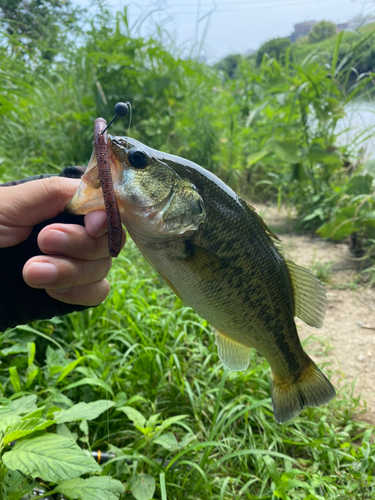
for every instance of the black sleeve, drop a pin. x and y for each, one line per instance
(19, 303)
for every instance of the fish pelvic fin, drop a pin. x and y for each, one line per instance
(233, 355)
(312, 389)
(310, 299)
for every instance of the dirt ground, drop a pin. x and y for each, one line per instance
(347, 340)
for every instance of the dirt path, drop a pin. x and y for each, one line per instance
(347, 339)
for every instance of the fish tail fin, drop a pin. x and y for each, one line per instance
(311, 389)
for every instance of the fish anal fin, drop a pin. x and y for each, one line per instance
(311, 389)
(310, 299)
(233, 355)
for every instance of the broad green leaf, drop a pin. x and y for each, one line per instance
(170, 421)
(5, 422)
(84, 427)
(152, 421)
(55, 357)
(63, 430)
(50, 457)
(317, 153)
(168, 441)
(255, 157)
(360, 184)
(19, 406)
(287, 151)
(316, 213)
(70, 367)
(341, 225)
(143, 487)
(90, 381)
(134, 415)
(25, 427)
(15, 485)
(83, 411)
(94, 488)
(136, 399)
(15, 349)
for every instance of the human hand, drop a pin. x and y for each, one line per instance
(76, 259)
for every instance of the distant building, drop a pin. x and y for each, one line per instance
(342, 26)
(359, 21)
(301, 29)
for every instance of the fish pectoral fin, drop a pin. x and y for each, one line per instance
(233, 355)
(312, 389)
(310, 299)
(200, 261)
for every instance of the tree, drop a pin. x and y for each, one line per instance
(321, 31)
(229, 65)
(39, 24)
(276, 48)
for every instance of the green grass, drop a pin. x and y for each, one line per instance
(144, 350)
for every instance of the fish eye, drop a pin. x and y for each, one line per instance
(137, 158)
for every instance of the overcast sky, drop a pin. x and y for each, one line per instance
(235, 26)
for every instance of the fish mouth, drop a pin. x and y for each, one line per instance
(89, 195)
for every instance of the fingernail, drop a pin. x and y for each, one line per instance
(41, 273)
(96, 223)
(60, 290)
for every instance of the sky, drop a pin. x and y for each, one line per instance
(216, 28)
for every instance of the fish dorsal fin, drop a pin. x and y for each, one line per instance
(233, 355)
(310, 299)
(270, 233)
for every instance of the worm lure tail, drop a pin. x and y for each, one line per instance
(110, 202)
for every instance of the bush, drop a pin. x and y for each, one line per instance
(275, 48)
(321, 31)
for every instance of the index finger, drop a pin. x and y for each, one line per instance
(72, 240)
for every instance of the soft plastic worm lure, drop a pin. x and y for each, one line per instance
(105, 176)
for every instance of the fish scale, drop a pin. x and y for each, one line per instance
(220, 258)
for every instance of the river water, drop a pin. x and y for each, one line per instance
(359, 126)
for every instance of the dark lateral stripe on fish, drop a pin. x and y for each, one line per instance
(286, 350)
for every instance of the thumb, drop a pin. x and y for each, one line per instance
(27, 204)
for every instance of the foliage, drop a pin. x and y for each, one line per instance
(276, 48)
(321, 31)
(360, 61)
(39, 25)
(228, 65)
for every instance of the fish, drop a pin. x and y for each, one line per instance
(220, 258)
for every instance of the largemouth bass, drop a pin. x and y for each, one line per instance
(220, 258)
